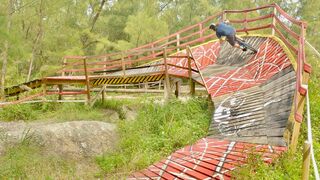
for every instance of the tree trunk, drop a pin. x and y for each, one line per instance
(36, 42)
(6, 51)
(97, 15)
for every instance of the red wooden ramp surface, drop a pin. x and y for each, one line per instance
(207, 159)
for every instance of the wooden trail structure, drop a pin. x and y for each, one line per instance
(259, 98)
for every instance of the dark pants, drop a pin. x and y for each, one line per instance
(231, 39)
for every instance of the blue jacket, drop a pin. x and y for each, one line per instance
(224, 29)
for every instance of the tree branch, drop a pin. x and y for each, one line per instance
(97, 15)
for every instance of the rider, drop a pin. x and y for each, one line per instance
(225, 29)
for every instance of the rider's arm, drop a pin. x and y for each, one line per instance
(220, 38)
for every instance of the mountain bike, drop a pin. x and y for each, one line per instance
(245, 44)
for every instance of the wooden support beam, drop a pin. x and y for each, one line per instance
(123, 65)
(274, 21)
(210, 103)
(178, 42)
(60, 87)
(64, 67)
(178, 89)
(167, 77)
(191, 82)
(200, 30)
(103, 94)
(306, 161)
(87, 80)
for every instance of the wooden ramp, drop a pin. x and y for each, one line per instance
(253, 98)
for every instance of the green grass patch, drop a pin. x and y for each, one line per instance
(51, 111)
(158, 131)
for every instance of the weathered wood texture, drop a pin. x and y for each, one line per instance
(256, 115)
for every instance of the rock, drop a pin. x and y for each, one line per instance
(129, 113)
(73, 139)
(112, 115)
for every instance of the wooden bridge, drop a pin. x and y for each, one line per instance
(259, 98)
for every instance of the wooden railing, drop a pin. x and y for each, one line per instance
(271, 17)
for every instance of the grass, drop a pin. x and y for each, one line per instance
(51, 111)
(158, 131)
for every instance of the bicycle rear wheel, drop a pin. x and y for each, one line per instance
(247, 45)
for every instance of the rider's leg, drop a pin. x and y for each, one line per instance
(232, 40)
(239, 37)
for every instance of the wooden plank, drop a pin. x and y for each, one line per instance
(306, 160)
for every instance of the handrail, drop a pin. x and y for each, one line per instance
(288, 17)
(250, 10)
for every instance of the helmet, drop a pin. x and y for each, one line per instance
(212, 26)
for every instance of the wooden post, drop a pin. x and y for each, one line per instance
(64, 67)
(44, 89)
(200, 30)
(153, 52)
(246, 22)
(167, 88)
(301, 99)
(210, 103)
(123, 65)
(295, 136)
(178, 87)
(178, 42)
(103, 95)
(274, 20)
(191, 83)
(87, 80)
(223, 16)
(60, 87)
(104, 86)
(306, 161)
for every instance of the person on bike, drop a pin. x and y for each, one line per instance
(224, 29)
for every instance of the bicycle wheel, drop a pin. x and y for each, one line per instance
(247, 45)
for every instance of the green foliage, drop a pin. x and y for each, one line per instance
(141, 28)
(17, 112)
(157, 132)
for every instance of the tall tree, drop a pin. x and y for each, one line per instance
(38, 38)
(6, 49)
